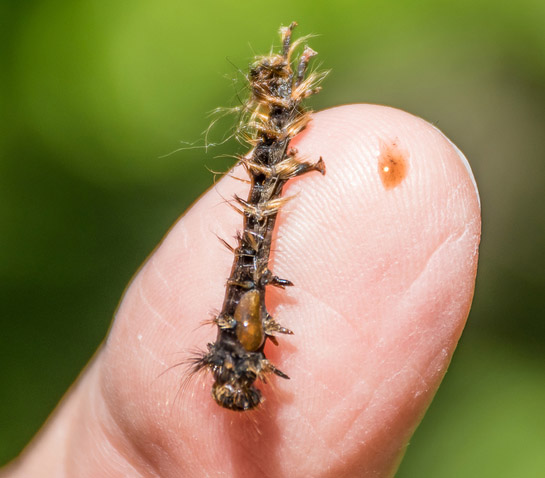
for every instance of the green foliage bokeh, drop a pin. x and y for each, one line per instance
(96, 97)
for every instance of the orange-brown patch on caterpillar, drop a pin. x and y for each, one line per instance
(248, 318)
(392, 164)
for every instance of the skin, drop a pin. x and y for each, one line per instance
(383, 277)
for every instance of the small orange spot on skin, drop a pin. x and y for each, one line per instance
(392, 164)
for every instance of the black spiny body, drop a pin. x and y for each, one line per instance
(274, 116)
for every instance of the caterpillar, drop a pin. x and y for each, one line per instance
(274, 114)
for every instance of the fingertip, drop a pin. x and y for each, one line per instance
(395, 188)
(384, 264)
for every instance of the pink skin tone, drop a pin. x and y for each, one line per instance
(383, 278)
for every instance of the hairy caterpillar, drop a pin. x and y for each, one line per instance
(274, 114)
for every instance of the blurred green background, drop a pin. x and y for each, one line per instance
(94, 93)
